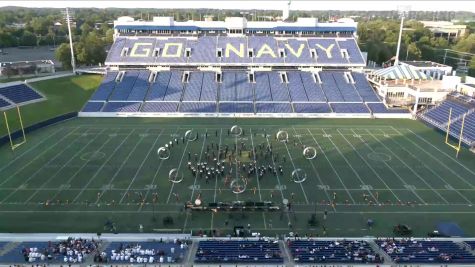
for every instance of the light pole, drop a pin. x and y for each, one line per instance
(403, 11)
(68, 20)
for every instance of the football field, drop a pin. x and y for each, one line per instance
(77, 175)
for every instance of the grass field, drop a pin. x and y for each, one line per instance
(63, 95)
(94, 170)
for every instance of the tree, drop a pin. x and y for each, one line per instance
(28, 39)
(63, 55)
(466, 45)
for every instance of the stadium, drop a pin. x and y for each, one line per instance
(239, 143)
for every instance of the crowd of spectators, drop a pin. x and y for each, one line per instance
(411, 250)
(72, 250)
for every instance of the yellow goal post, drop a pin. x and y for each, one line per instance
(7, 125)
(459, 145)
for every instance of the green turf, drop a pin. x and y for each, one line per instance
(100, 167)
(63, 95)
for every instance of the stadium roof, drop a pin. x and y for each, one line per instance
(401, 72)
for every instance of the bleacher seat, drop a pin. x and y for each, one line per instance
(19, 93)
(349, 108)
(146, 252)
(105, 89)
(333, 251)
(4, 103)
(93, 106)
(234, 251)
(160, 106)
(121, 107)
(425, 252)
(381, 108)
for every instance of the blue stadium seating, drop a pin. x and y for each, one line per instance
(175, 87)
(244, 89)
(425, 252)
(4, 103)
(209, 89)
(199, 107)
(236, 107)
(227, 90)
(347, 90)
(93, 106)
(354, 54)
(140, 88)
(312, 88)
(471, 244)
(364, 88)
(262, 87)
(19, 93)
(233, 251)
(330, 87)
(440, 114)
(105, 89)
(271, 107)
(121, 107)
(468, 128)
(122, 89)
(312, 108)
(159, 87)
(146, 252)
(381, 108)
(193, 87)
(296, 88)
(204, 50)
(278, 88)
(331, 251)
(160, 107)
(349, 108)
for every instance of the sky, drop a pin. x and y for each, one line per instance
(263, 5)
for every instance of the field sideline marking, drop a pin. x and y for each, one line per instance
(124, 161)
(429, 169)
(409, 167)
(298, 212)
(65, 164)
(156, 173)
(140, 167)
(37, 156)
(331, 165)
(293, 165)
(367, 164)
(315, 171)
(102, 166)
(205, 139)
(351, 167)
(38, 170)
(463, 166)
(398, 176)
(438, 160)
(216, 180)
(31, 148)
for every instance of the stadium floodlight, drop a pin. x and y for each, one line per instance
(403, 12)
(69, 17)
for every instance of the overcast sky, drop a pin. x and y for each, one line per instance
(223, 4)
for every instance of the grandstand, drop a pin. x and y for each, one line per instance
(17, 94)
(163, 68)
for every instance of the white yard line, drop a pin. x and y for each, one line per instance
(140, 167)
(412, 170)
(216, 180)
(429, 169)
(397, 174)
(367, 164)
(448, 156)
(156, 172)
(254, 156)
(100, 168)
(438, 160)
(333, 168)
(124, 161)
(38, 156)
(31, 148)
(65, 165)
(315, 170)
(351, 167)
(295, 168)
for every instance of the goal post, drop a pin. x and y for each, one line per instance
(459, 145)
(13, 146)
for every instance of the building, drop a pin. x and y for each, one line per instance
(446, 29)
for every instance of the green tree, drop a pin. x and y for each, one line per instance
(466, 44)
(28, 39)
(63, 55)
